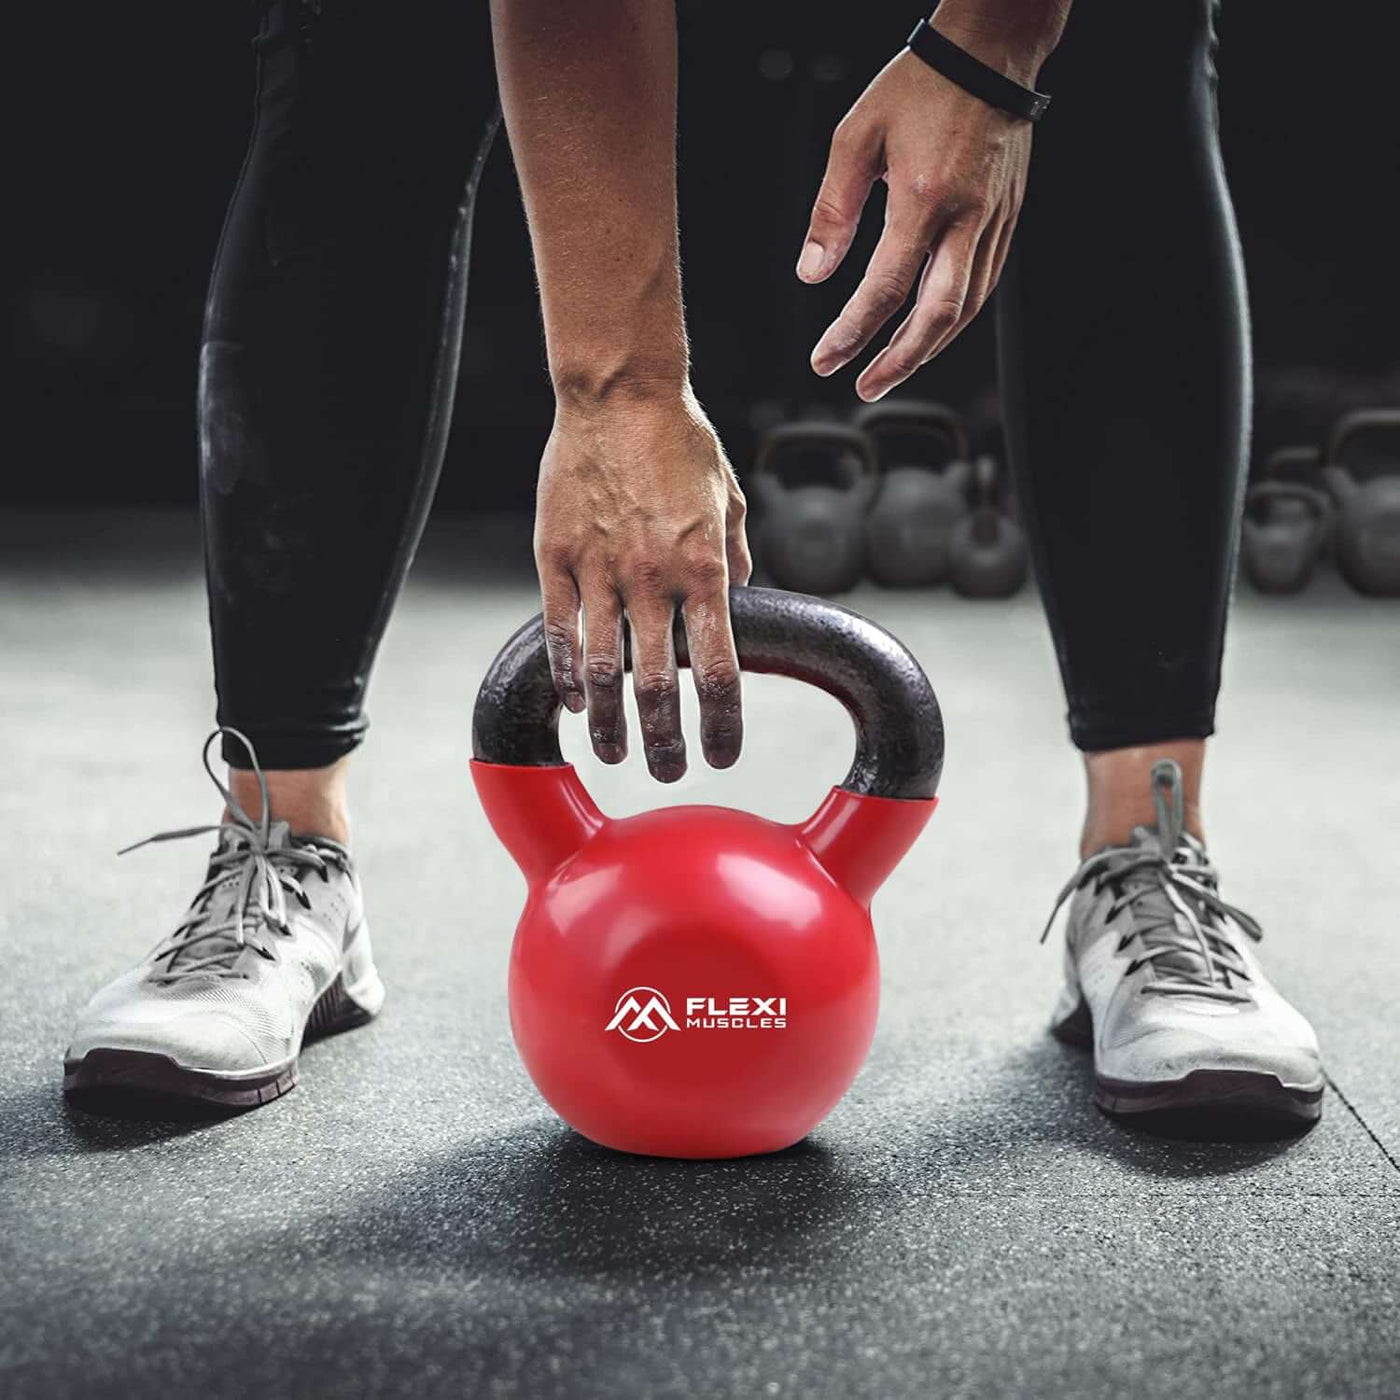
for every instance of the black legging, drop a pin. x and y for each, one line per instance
(1123, 341)
(335, 314)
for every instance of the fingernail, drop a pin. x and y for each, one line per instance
(574, 702)
(832, 351)
(810, 263)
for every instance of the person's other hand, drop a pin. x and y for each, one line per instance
(639, 513)
(956, 172)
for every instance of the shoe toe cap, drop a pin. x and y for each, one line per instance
(202, 1040)
(1163, 1053)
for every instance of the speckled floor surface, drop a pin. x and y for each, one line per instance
(412, 1220)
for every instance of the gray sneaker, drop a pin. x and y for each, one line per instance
(273, 948)
(1162, 983)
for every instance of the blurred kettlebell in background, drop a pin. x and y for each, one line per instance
(988, 555)
(1285, 524)
(909, 528)
(812, 539)
(1368, 513)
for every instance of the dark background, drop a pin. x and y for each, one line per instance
(130, 125)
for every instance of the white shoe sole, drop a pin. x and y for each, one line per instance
(1241, 1095)
(353, 998)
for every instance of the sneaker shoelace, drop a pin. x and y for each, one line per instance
(1171, 890)
(245, 891)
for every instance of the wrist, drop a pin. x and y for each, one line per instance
(1015, 37)
(601, 383)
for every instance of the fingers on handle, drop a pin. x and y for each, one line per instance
(657, 688)
(602, 673)
(714, 666)
(560, 598)
(850, 172)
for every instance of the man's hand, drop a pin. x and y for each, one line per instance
(639, 511)
(956, 172)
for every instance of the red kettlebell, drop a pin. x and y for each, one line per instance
(698, 981)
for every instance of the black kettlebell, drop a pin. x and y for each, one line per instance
(910, 526)
(988, 556)
(813, 535)
(1285, 525)
(1368, 513)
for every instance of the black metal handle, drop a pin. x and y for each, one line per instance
(1350, 425)
(1282, 459)
(899, 727)
(834, 438)
(915, 416)
(1318, 502)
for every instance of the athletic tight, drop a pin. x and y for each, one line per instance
(334, 322)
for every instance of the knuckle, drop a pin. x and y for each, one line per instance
(900, 364)
(826, 210)
(706, 572)
(648, 574)
(973, 207)
(925, 188)
(886, 293)
(945, 312)
(559, 638)
(717, 680)
(657, 690)
(603, 673)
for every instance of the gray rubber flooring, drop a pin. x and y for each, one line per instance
(412, 1220)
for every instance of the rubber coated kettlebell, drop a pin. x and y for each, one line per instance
(1285, 525)
(909, 528)
(1368, 513)
(697, 981)
(813, 535)
(988, 557)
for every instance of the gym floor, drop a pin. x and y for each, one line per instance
(413, 1220)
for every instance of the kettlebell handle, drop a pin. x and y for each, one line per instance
(914, 416)
(899, 727)
(834, 438)
(1351, 425)
(1317, 501)
(1283, 459)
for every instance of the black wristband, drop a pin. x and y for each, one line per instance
(958, 66)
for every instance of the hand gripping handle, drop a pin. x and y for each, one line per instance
(899, 728)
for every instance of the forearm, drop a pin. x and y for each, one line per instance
(588, 89)
(1013, 36)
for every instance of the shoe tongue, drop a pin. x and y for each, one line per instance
(1158, 920)
(219, 903)
(279, 836)
(1146, 838)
